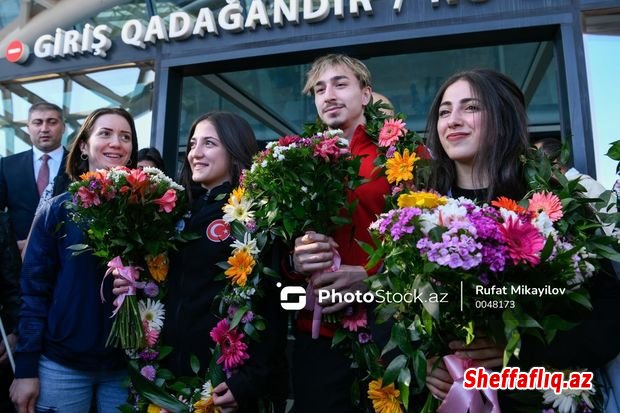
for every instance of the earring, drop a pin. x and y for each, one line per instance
(83, 156)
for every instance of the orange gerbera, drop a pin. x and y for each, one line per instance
(158, 266)
(548, 203)
(384, 399)
(400, 167)
(241, 264)
(509, 204)
(98, 175)
(204, 406)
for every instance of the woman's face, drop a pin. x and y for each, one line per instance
(460, 121)
(109, 143)
(207, 157)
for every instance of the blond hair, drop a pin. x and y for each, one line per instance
(324, 62)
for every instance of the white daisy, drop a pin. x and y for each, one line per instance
(568, 400)
(238, 210)
(248, 245)
(207, 390)
(153, 312)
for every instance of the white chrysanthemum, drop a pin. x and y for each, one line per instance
(334, 132)
(544, 225)
(568, 400)
(508, 215)
(263, 164)
(114, 174)
(238, 210)
(207, 390)
(153, 312)
(248, 245)
(247, 293)
(271, 144)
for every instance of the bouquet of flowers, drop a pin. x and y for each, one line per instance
(456, 269)
(301, 184)
(294, 185)
(130, 217)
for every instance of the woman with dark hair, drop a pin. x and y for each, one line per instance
(477, 132)
(219, 146)
(150, 157)
(61, 359)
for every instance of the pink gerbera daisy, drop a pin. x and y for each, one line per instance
(523, 241)
(548, 203)
(234, 350)
(356, 320)
(390, 132)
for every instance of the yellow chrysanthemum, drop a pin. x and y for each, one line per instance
(400, 167)
(153, 409)
(237, 194)
(420, 200)
(241, 264)
(384, 399)
(158, 266)
(204, 406)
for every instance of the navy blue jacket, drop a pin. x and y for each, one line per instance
(61, 315)
(18, 189)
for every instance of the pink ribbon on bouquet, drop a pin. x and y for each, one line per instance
(311, 301)
(460, 400)
(129, 273)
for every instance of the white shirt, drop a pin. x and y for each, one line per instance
(53, 162)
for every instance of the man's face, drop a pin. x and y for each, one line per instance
(339, 99)
(45, 128)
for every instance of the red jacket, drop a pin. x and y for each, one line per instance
(371, 202)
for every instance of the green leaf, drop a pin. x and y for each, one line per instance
(614, 151)
(194, 363)
(404, 382)
(78, 247)
(393, 370)
(155, 394)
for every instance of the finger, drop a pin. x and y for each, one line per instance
(312, 267)
(334, 308)
(220, 388)
(481, 354)
(489, 363)
(436, 392)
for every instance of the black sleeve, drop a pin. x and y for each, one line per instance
(592, 343)
(10, 264)
(265, 376)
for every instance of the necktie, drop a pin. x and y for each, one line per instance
(44, 174)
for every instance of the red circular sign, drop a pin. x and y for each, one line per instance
(17, 52)
(218, 231)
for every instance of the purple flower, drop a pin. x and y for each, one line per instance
(363, 337)
(390, 151)
(247, 317)
(151, 289)
(148, 372)
(148, 355)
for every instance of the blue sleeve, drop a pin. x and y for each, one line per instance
(3, 189)
(37, 282)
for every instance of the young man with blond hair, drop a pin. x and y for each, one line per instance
(322, 375)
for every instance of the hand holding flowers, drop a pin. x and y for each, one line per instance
(129, 219)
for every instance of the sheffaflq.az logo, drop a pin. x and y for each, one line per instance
(292, 297)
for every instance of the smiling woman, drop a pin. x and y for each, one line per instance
(63, 323)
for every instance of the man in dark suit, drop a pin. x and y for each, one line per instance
(25, 176)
